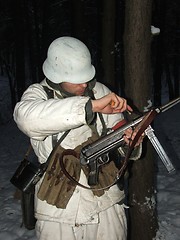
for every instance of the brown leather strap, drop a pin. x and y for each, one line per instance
(149, 117)
(61, 162)
(141, 128)
(28, 151)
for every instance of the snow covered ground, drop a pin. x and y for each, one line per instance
(13, 147)
(167, 128)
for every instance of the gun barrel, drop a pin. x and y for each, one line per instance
(168, 105)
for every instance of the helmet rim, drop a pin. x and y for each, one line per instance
(53, 76)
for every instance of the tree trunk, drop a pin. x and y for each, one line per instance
(78, 23)
(19, 47)
(137, 45)
(161, 53)
(46, 32)
(33, 42)
(108, 42)
(176, 63)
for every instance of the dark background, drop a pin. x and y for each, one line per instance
(28, 27)
(128, 59)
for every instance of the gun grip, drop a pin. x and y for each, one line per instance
(93, 173)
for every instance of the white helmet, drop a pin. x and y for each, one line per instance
(68, 60)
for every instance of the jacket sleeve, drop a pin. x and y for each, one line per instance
(111, 120)
(39, 117)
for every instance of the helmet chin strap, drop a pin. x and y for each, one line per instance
(57, 86)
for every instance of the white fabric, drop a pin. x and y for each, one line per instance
(111, 226)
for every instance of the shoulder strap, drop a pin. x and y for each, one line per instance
(104, 129)
(45, 165)
(49, 92)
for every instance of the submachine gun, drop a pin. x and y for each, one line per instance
(97, 153)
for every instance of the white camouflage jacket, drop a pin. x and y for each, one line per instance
(40, 118)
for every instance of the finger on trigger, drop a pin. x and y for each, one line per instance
(129, 109)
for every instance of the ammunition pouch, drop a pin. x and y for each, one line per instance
(57, 189)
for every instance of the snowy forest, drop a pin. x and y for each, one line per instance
(135, 50)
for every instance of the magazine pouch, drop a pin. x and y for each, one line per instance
(56, 189)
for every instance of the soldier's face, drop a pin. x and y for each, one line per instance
(75, 89)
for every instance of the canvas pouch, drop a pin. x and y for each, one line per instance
(57, 188)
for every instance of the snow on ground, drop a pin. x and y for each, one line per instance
(13, 147)
(167, 128)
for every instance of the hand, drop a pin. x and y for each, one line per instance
(109, 104)
(130, 134)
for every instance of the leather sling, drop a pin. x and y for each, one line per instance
(149, 117)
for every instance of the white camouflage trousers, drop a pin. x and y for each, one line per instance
(112, 226)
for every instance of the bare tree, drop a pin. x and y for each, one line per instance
(33, 39)
(19, 47)
(138, 78)
(108, 42)
(78, 20)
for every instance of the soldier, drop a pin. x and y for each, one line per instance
(82, 106)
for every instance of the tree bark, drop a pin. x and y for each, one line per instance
(78, 21)
(19, 46)
(138, 78)
(33, 41)
(161, 53)
(108, 42)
